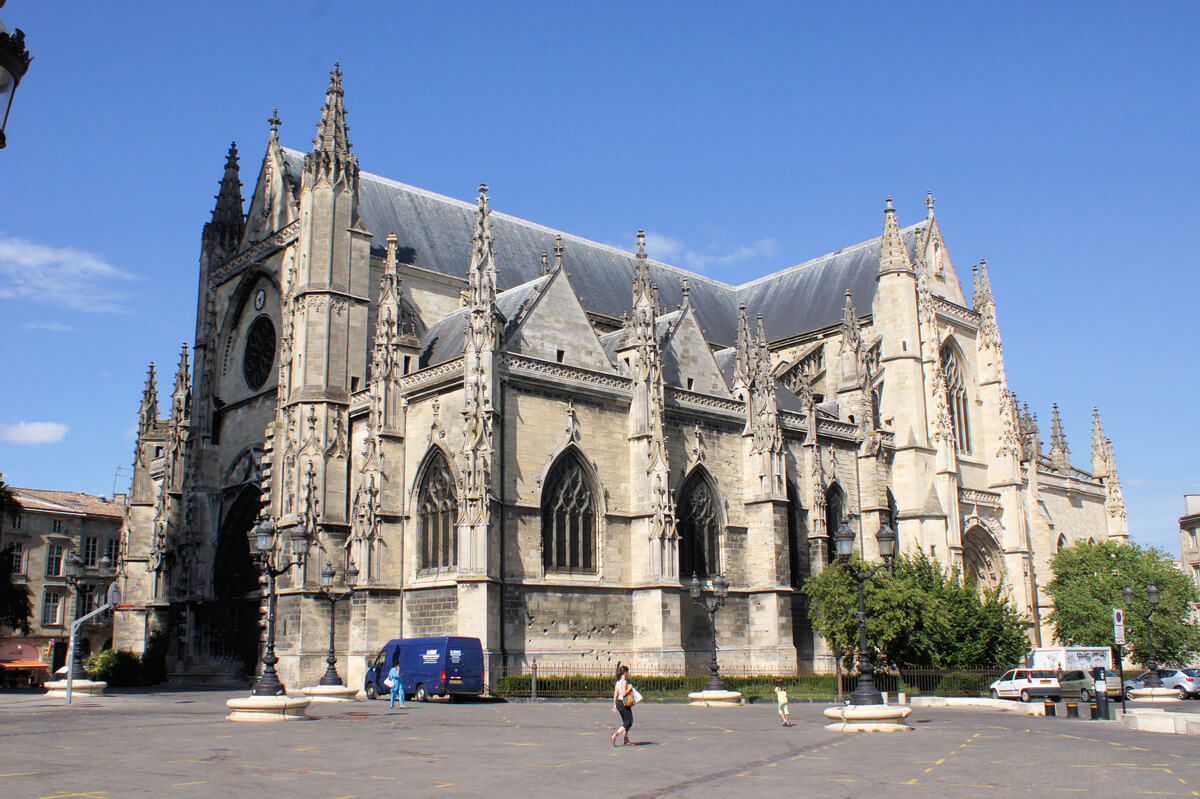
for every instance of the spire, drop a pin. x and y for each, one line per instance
(985, 306)
(274, 122)
(893, 256)
(148, 411)
(1115, 497)
(644, 289)
(1099, 451)
(558, 251)
(741, 368)
(1060, 453)
(481, 279)
(181, 395)
(929, 201)
(685, 288)
(851, 338)
(224, 232)
(545, 263)
(331, 148)
(388, 317)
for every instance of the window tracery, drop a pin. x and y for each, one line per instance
(437, 509)
(956, 399)
(568, 518)
(698, 521)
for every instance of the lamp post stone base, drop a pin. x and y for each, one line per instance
(708, 698)
(330, 693)
(58, 688)
(868, 718)
(268, 708)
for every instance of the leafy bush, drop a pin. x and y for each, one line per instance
(117, 667)
(962, 683)
(600, 687)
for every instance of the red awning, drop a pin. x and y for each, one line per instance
(24, 664)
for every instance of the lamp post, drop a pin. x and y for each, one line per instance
(75, 570)
(865, 692)
(1152, 679)
(264, 541)
(330, 677)
(720, 594)
(14, 63)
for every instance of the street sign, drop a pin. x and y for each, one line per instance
(1118, 627)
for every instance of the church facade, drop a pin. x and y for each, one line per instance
(527, 437)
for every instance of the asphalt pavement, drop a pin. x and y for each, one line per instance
(179, 745)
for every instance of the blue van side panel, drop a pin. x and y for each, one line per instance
(422, 661)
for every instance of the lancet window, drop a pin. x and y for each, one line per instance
(437, 510)
(956, 398)
(835, 509)
(698, 520)
(568, 518)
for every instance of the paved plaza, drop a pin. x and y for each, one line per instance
(179, 745)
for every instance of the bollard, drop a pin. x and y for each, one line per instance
(1051, 709)
(533, 680)
(1072, 710)
(1094, 709)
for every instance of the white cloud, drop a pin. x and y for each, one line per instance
(673, 251)
(52, 327)
(33, 433)
(59, 276)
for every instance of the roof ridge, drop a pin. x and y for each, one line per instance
(811, 261)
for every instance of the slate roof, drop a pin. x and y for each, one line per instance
(434, 232)
(444, 340)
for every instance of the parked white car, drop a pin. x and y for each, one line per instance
(1025, 684)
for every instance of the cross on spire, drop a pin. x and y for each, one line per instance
(929, 201)
(274, 122)
(558, 251)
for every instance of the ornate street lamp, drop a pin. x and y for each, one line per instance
(1152, 679)
(331, 676)
(14, 63)
(265, 542)
(720, 595)
(865, 692)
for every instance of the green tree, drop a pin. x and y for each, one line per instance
(16, 606)
(1088, 583)
(918, 616)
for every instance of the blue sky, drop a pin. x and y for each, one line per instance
(1059, 139)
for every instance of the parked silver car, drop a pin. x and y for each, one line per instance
(1185, 682)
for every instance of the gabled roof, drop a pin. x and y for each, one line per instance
(434, 233)
(443, 341)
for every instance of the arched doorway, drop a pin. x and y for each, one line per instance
(983, 559)
(230, 621)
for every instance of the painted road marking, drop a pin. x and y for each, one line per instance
(22, 774)
(197, 782)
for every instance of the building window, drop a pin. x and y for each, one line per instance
(112, 549)
(85, 600)
(699, 524)
(18, 522)
(956, 398)
(56, 526)
(259, 355)
(437, 509)
(568, 518)
(16, 553)
(91, 548)
(54, 560)
(51, 609)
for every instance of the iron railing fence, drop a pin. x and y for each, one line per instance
(563, 681)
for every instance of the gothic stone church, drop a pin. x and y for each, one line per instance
(531, 438)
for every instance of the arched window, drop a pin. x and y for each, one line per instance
(698, 517)
(835, 510)
(956, 398)
(1062, 542)
(796, 559)
(437, 509)
(893, 519)
(568, 518)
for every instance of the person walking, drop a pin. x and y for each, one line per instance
(393, 680)
(623, 704)
(781, 698)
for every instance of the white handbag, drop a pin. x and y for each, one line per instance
(637, 696)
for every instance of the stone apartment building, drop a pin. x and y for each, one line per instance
(535, 439)
(53, 526)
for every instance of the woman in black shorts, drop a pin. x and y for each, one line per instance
(621, 691)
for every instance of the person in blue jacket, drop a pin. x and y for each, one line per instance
(393, 678)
